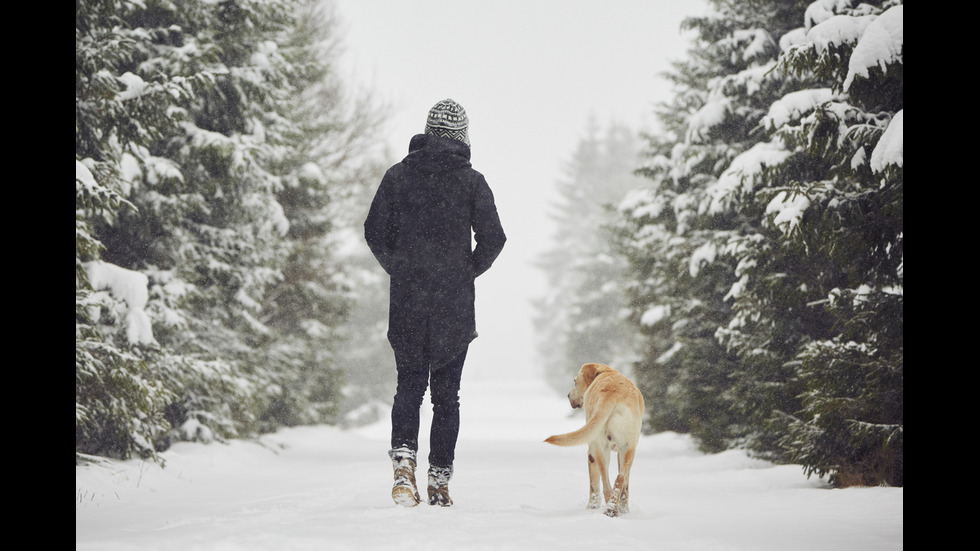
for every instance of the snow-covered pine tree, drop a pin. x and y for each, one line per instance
(816, 319)
(118, 412)
(329, 171)
(785, 184)
(844, 225)
(581, 319)
(119, 404)
(676, 242)
(222, 83)
(209, 227)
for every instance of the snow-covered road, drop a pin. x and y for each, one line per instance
(321, 488)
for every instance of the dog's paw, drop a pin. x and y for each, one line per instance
(614, 510)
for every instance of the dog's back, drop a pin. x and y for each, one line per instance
(613, 405)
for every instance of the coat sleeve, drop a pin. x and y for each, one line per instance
(380, 227)
(488, 232)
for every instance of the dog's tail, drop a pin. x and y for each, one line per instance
(588, 432)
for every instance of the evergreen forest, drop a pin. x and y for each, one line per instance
(219, 164)
(743, 261)
(754, 281)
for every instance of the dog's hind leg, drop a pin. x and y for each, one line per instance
(598, 475)
(619, 504)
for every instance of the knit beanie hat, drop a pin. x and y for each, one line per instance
(448, 119)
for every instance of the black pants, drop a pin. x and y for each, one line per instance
(414, 375)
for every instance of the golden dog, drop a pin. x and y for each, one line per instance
(613, 419)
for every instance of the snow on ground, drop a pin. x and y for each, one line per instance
(322, 488)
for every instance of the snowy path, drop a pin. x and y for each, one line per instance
(320, 488)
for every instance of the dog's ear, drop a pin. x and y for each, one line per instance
(590, 372)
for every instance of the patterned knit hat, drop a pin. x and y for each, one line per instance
(448, 119)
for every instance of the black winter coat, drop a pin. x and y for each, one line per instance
(421, 227)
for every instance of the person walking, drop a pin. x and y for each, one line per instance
(428, 211)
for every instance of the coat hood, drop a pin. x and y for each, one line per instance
(429, 153)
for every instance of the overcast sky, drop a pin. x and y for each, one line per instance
(530, 74)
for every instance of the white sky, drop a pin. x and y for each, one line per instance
(530, 74)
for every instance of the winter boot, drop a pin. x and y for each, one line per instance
(439, 478)
(404, 492)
